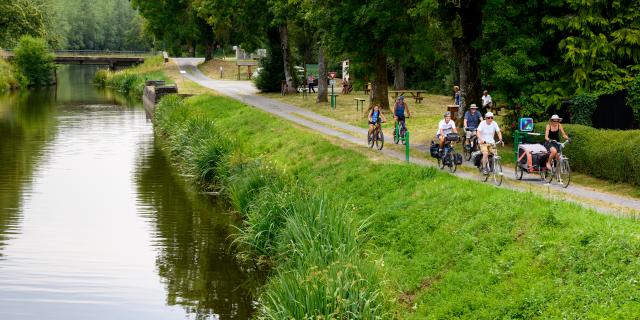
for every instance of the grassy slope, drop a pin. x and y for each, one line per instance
(450, 247)
(131, 80)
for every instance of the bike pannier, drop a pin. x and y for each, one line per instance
(458, 159)
(531, 156)
(453, 137)
(476, 158)
(434, 149)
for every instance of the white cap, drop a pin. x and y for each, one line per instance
(473, 106)
(489, 114)
(555, 117)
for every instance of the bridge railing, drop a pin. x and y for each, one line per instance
(84, 53)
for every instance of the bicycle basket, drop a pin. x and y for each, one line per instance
(433, 149)
(453, 137)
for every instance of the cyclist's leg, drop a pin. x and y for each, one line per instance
(370, 128)
(441, 138)
(484, 148)
(552, 154)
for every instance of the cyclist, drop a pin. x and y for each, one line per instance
(445, 127)
(486, 132)
(398, 112)
(472, 119)
(552, 138)
(375, 117)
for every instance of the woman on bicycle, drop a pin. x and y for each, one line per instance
(552, 138)
(398, 110)
(375, 116)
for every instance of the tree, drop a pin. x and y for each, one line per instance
(34, 60)
(21, 17)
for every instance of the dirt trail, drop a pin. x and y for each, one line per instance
(246, 92)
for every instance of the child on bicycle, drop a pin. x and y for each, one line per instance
(375, 117)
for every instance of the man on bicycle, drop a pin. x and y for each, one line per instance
(398, 112)
(472, 119)
(486, 131)
(445, 127)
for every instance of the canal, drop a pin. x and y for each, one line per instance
(94, 221)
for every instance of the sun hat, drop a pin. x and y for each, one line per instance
(473, 106)
(447, 114)
(555, 117)
(489, 114)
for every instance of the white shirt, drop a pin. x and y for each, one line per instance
(486, 131)
(486, 100)
(446, 127)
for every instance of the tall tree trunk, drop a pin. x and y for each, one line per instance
(380, 83)
(398, 75)
(322, 77)
(286, 57)
(468, 56)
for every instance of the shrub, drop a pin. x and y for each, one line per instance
(272, 72)
(33, 59)
(633, 98)
(10, 78)
(131, 80)
(608, 154)
(582, 108)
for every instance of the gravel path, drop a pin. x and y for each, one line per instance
(246, 92)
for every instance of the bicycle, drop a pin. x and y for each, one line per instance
(469, 145)
(562, 171)
(399, 132)
(376, 137)
(494, 166)
(449, 156)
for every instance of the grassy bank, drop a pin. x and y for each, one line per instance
(349, 236)
(10, 79)
(131, 80)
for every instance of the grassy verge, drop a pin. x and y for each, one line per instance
(131, 80)
(211, 68)
(439, 246)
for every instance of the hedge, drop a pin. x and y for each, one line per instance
(608, 154)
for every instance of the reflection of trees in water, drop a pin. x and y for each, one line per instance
(26, 125)
(193, 257)
(75, 87)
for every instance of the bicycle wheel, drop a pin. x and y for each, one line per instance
(550, 174)
(441, 162)
(370, 140)
(519, 172)
(497, 171)
(380, 140)
(452, 162)
(564, 173)
(484, 177)
(396, 135)
(466, 146)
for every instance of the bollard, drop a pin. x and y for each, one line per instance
(406, 137)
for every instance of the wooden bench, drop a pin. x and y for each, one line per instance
(418, 99)
(367, 88)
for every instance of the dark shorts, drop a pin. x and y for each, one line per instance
(374, 123)
(550, 144)
(400, 117)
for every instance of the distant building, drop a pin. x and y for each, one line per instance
(243, 55)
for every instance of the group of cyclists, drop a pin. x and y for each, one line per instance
(475, 125)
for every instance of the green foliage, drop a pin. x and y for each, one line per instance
(272, 72)
(582, 108)
(633, 98)
(9, 77)
(131, 80)
(608, 154)
(33, 59)
(22, 17)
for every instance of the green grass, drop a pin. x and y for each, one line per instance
(131, 80)
(439, 246)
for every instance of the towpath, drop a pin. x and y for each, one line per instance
(246, 92)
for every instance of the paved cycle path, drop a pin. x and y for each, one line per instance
(246, 92)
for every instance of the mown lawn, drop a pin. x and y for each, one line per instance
(447, 247)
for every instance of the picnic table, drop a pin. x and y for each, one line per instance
(414, 94)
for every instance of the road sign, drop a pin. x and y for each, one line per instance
(332, 82)
(332, 74)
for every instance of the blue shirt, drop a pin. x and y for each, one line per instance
(400, 109)
(473, 120)
(374, 116)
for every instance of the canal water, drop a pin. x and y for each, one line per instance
(94, 222)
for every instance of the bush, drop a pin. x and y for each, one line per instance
(131, 80)
(9, 77)
(608, 154)
(582, 108)
(272, 72)
(33, 59)
(633, 98)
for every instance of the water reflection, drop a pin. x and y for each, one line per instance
(193, 257)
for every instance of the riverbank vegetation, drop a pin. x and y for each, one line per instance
(131, 80)
(393, 239)
(10, 79)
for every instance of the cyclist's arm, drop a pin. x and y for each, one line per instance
(408, 111)
(465, 120)
(546, 133)
(566, 137)
(382, 117)
(370, 114)
(455, 128)
(500, 135)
